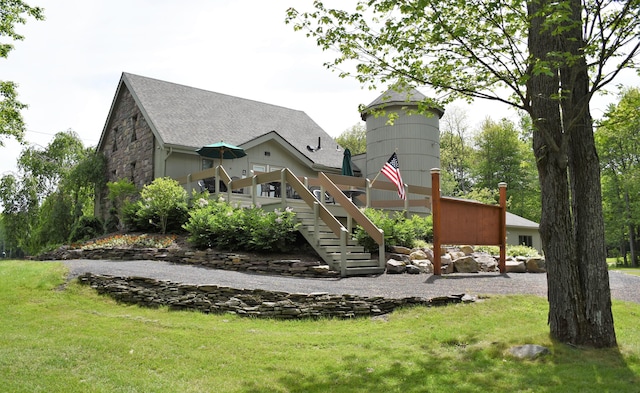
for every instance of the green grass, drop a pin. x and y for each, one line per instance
(55, 339)
(613, 265)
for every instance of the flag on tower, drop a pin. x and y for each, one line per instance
(391, 170)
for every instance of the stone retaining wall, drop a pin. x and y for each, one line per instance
(256, 303)
(209, 258)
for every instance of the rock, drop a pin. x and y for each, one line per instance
(486, 262)
(399, 257)
(429, 253)
(529, 351)
(412, 269)
(535, 265)
(446, 264)
(456, 254)
(400, 250)
(425, 265)
(467, 250)
(419, 254)
(395, 267)
(515, 266)
(466, 264)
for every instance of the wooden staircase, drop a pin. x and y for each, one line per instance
(349, 259)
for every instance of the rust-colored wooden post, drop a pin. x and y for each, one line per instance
(435, 212)
(503, 227)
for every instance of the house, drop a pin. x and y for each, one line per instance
(154, 128)
(521, 231)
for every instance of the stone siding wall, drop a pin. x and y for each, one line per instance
(149, 292)
(128, 146)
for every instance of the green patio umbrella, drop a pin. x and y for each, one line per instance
(347, 170)
(221, 150)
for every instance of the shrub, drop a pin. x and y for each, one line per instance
(161, 199)
(86, 228)
(217, 224)
(121, 193)
(398, 230)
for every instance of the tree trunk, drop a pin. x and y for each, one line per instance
(571, 225)
(632, 240)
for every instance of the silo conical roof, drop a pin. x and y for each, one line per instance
(393, 97)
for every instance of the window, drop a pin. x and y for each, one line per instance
(524, 240)
(134, 122)
(206, 164)
(132, 166)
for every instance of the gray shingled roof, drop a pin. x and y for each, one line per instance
(393, 97)
(189, 117)
(516, 221)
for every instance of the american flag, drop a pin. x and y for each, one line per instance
(391, 170)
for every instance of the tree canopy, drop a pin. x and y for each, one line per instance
(12, 13)
(545, 57)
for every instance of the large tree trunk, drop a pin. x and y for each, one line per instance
(571, 225)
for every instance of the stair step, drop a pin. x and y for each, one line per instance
(330, 242)
(351, 256)
(336, 248)
(363, 271)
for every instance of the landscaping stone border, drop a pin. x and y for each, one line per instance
(255, 303)
(208, 258)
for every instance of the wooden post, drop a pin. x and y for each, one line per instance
(503, 227)
(435, 211)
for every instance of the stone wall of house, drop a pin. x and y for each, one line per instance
(149, 292)
(128, 146)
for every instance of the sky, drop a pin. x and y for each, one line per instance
(68, 67)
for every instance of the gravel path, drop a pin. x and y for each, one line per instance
(395, 286)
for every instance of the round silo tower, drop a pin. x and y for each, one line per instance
(414, 137)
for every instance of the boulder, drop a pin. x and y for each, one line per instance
(418, 254)
(424, 265)
(529, 351)
(399, 257)
(429, 253)
(395, 267)
(400, 250)
(535, 265)
(486, 262)
(466, 264)
(412, 269)
(467, 250)
(456, 254)
(515, 266)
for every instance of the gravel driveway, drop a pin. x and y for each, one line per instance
(395, 286)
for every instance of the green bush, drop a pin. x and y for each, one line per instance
(514, 251)
(217, 224)
(121, 194)
(86, 228)
(398, 230)
(162, 204)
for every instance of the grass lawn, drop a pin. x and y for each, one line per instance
(612, 262)
(55, 339)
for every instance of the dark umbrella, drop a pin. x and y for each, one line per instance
(221, 150)
(347, 170)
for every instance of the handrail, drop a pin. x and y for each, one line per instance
(323, 213)
(341, 181)
(376, 233)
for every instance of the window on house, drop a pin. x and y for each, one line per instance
(134, 122)
(115, 139)
(132, 167)
(525, 240)
(206, 164)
